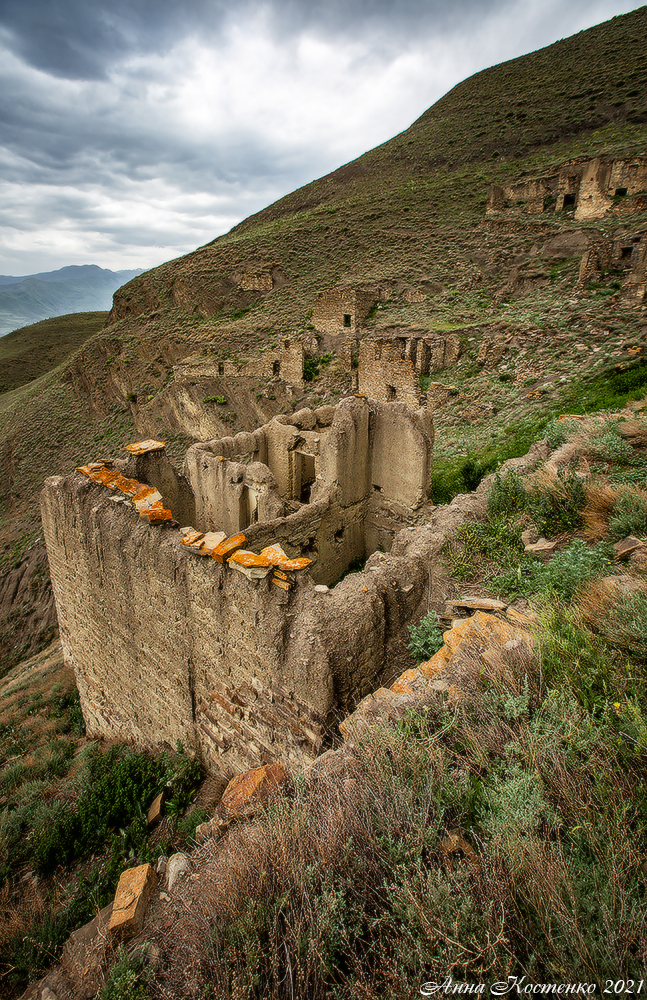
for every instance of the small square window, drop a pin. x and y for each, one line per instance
(347, 319)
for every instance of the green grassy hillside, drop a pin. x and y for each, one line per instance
(31, 351)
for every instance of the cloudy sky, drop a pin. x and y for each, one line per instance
(132, 131)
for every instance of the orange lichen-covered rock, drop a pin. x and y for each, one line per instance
(157, 513)
(193, 538)
(290, 565)
(250, 791)
(404, 683)
(141, 447)
(274, 553)
(131, 899)
(249, 559)
(250, 565)
(227, 548)
(278, 558)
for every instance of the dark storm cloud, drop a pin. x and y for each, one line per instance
(78, 39)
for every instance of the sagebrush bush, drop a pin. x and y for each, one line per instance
(470, 842)
(426, 637)
(629, 514)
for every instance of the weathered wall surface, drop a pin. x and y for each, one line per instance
(284, 362)
(390, 370)
(590, 188)
(167, 645)
(170, 644)
(624, 251)
(342, 310)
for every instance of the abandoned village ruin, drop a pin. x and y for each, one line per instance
(196, 607)
(212, 606)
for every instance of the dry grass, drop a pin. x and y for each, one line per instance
(349, 888)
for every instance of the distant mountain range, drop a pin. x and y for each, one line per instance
(25, 299)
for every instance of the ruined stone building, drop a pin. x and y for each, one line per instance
(390, 369)
(201, 607)
(285, 362)
(342, 310)
(623, 252)
(588, 188)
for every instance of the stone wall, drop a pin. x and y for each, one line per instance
(623, 251)
(588, 188)
(342, 310)
(238, 656)
(284, 362)
(390, 370)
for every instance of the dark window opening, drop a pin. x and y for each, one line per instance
(276, 368)
(347, 319)
(221, 368)
(569, 201)
(621, 192)
(625, 252)
(378, 489)
(390, 393)
(339, 534)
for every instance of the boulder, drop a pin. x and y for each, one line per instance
(177, 865)
(83, 955)
(156, 809)
(625, 548)
(251, 790)
(130, 902)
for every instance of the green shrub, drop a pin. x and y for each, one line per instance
(481, 547)
(311, 366)
(567, 571)
(572, 658)
(507, 494)
(629, 515)
(426, 637)
(557, 506)
(117, 788)
(127, 979)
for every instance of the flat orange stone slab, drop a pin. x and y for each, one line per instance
(244, 558)
(157, 513)
(131, 899)
(126, 485)
(141, 447)
(228, 547)
(278, 558)
(193, 538)
(290, 565)
(283, 584)
(274, 553)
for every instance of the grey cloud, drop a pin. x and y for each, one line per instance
(90, 160)
(81, 39)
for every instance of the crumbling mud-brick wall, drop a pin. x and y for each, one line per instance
(590, 188)
(623, 252)
(326, 481)
(239, 657)
(283, 362)
(390, 370)
(342, 310)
